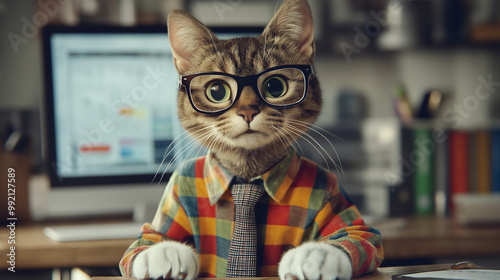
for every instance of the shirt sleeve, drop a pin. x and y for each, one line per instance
(340, 224)
(170, 223)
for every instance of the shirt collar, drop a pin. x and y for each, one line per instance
(276, 181)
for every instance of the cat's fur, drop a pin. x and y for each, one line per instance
(288, 39)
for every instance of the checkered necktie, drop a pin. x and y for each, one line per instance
(242, 260)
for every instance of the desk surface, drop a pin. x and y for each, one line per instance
(429, 237)
(381, 274)
(413, 238)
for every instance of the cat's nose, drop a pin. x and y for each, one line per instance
(248, 115)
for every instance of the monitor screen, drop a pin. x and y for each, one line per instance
(111, 102)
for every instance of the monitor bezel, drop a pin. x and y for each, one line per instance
(48, 103)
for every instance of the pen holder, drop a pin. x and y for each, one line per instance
(15, 169)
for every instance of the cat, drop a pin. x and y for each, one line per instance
(248, 100)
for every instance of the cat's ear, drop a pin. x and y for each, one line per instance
(294, 20)
(186, 34)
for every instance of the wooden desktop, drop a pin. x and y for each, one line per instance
(381, 273)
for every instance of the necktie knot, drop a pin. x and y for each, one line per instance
(246, 195)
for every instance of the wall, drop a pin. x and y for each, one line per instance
(455, 71)
(21, 67)
(371, 75)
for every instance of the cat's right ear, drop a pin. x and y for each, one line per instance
(186, 34)
(294, 21)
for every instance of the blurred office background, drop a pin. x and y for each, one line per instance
(365, 51)
(380, 64)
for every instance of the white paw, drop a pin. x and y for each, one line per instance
(315, 260)
(166, 260)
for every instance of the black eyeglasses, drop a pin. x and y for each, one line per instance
(214, 92)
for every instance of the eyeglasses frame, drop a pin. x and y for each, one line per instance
(244, 81)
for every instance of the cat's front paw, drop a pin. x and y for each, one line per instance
(169, 260)
(315, 261)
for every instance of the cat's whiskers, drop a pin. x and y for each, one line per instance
(299, 134)
(282, 138)
(217, 140)
(316, 129)
(213, 140)
(315, 144)
(205, 137)
(221, 141)
(169, 150)
(291, 141)
(276, 124)
(319, 128)
(207, 141)
(190, 145)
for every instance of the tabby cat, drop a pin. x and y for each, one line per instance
(248, 100)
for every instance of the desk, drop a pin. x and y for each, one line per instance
(35, 251)
(381, 273)
(430, 237)
(415, 238)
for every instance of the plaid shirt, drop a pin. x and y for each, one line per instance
(303, 203)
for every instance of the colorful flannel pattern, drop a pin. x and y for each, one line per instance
(303, 203)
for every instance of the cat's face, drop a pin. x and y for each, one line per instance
(249, 123)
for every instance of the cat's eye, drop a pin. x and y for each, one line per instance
(274, 87)
(218, 91)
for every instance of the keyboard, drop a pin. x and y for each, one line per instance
(93, 231)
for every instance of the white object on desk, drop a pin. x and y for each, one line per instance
(452, 274)
(93, 231)
(473, 209)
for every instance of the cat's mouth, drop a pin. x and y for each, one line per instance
(250, 139)
(249, 132)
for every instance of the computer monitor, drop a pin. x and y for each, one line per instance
(110, 115)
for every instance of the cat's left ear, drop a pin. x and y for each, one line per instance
(186, 34)
(294, 20)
